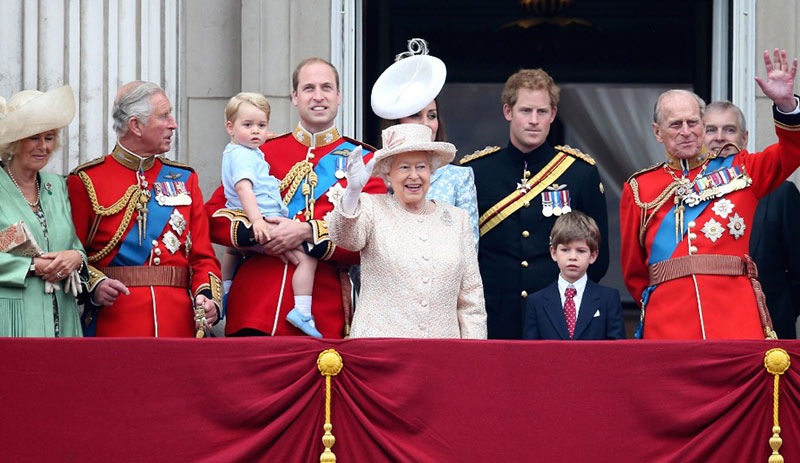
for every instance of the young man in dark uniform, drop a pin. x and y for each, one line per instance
(522, 190)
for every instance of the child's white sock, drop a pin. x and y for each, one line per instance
(226, 286)
(303, 304)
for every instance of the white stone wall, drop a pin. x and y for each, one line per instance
(95, 47)
(204, 51)
(776, 27)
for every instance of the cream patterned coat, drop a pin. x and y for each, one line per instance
(419, 273)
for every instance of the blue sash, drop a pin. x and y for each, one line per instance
(130, 252)
(664, 243)
(326, 178)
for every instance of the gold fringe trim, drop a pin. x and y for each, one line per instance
(776, 361)
(329, 364)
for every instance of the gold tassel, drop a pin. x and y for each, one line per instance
(776, 361)
(329, 364)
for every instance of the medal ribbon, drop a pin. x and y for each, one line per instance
(511, 203)
(664, 243)
(130, 253)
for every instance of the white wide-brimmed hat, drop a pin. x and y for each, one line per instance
(410, 84)
(30, 112)
(406, 138)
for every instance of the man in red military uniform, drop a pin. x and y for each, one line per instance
(311, 162)
(685, 223)
(142, 222)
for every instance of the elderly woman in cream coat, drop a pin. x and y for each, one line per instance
(419, 270)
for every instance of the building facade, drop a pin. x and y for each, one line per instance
(204, 51)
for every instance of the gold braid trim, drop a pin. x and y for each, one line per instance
(577, 153)
(95, 277)
(216, 288)
(478, 154)
(293, 178)
(655, 205)
(319, 231)
(128, 201)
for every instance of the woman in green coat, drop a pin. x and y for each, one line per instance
(39, 269)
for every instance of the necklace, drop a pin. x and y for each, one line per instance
(34, 204)
(424, 210)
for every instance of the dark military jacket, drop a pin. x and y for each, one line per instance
(514, 255)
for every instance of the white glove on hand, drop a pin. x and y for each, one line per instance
(358, 175)
(73, 284)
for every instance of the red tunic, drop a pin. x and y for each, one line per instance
(725, 304)
(148, 310)
(261, 294)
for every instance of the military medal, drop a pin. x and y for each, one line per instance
(721, 182)
(555, 200)
(172, 194)
(522, 185)
(565, 201)
(341, 165)
(187, 245)
(736, 226)
(171, 242)
(177, 222)
(547, 203)
(558, 200)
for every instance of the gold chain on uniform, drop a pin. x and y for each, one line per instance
(303, 170)
(128, 201)
(655, 205)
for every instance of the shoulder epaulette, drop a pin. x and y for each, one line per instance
(479, 154)
(576, 153)
(646, 169)
(87, 164)
(180, 165)
(366, 146)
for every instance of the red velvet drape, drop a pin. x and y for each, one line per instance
(225, 400)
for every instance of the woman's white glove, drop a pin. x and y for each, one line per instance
(358, 175)
(73, 284)
(51, 287)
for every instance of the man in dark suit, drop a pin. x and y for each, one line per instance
(522, 189)
(574, 307)
(773, 243)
